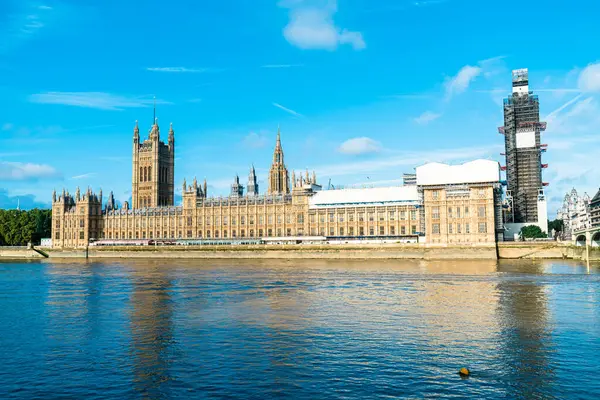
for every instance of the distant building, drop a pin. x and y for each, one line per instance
(575, 214)
(595, 210)
(522, 129)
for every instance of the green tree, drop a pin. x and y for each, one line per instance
(558, 225)
(532, 232)
(17, 228)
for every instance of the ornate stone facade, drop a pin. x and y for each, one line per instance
(153, 174)
(279, 181)
(575, 214)
(295, 208)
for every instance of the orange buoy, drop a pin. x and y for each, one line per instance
(464, 372)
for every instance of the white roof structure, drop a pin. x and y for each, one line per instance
(477, 171)
(366, 196)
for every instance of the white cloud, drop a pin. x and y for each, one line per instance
(459, 83)
(18, 171)
(360, 145)
(23, 25)
(550, 117)
(427, 117)
(311, 26)
(83, 176)
(177, 69)
(589, 78)
(99, 100)
(288, 110)
(255, 140)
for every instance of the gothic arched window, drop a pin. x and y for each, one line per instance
(150, 173)
(141, 174)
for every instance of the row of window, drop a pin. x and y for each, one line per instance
(70, 223)
(458, 228)
(251, 220)
(69, 235)
(458, 212)
(362, 231)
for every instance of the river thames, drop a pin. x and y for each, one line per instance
(299, 329)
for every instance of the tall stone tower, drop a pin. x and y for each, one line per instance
(279, 182)
(252, 188)
(523, 150)
(153, 172)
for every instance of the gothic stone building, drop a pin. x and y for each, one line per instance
(446, 204)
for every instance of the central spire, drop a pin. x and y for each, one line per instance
(278, 174)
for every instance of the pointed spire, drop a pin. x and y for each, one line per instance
(184, 185)
(205, 188)
(136, 130)
(314, 178)
(77, 194)
(195, 183)
(54, 195)
(294, 178)
(278, 144)
(154, 116)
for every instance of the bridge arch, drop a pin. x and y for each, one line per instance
(596, 239)
(580, 241)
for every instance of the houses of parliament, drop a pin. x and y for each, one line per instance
(440, 204)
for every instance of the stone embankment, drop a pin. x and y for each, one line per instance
(507, 250)
(19, 253)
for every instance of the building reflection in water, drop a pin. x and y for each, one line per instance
(151, 330)
(527, 346)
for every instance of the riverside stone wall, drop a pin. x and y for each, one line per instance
(518, 250)
(18, 253)
(287, 252)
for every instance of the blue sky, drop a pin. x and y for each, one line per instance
(363, 90)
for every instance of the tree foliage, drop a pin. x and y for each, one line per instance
(17, 228)
(558, 225)
(532, 232)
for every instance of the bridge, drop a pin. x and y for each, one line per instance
(589, 237)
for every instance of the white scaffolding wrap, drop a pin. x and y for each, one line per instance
(477, 171)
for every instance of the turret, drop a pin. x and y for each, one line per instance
(184, 188)
(205, 188)
(171, 135)
(54, 196)
(136, 133)
(252, 188)
(237, 190)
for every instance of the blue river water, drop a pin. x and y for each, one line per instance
(302, 329)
